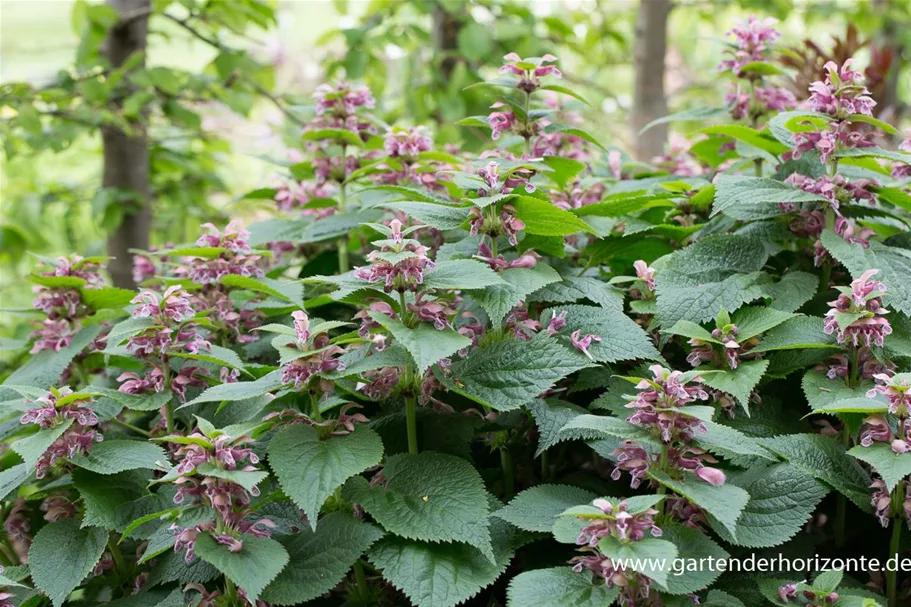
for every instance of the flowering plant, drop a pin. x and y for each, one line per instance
(539, 376)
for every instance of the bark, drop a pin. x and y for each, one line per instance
(649, 101)
(126, 155)
(446, 28)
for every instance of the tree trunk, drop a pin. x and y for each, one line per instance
(446, 28)
(648, 97)
(126, 155)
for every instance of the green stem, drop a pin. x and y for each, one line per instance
(343, 241)
(412, 423)
(509, 473)
(314, 407)
(758, 169)
(545, 466)
(230, 591)
(361, 579)
(169, 416)
(120, 567)
(841, 505)
(130, 427)
(891, 577)
(855, 372)
(527, 135)
(403, 308)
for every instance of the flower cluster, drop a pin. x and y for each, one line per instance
(618, 522)
(235, 258)
(317, 356)
(63, 305)
(841, 93)
(399, 263)
(201, 458)
(788, 592)
(857, 315)
(337, 107)
(530, 70)
(725, 337)
(55, 408)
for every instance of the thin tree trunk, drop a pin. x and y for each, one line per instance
(446, 28)
(649, 102)
(126, 155)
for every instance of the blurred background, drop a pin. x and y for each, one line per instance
(218, 97)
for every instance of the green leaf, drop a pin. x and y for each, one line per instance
(739, 382)
(288, 291)
(62, 555)
(874, 152)
(573, 132)
(497, 300)
(558, 587)
(621, 337)
(341, 135)
(753, 320)
(782, 499)
(718, 598)
(310, 469)
(825, 458)
(565, 91)
(430, 497)
(441, 575)
(239, 390)
(248, 479)
(716, 272)
(565, 170)
(541, 217)
(574, 288)
(893, 263)
(426, 344)
(106, 297)
(826, 395)
(102, 495)
(692, 546)
(252, 568)
(734, 446)
(537, 508)
(45, 368)
(439, 216)
(461, 274)
(891, 466)
(798, 333)
(31, 448)
(741, 191)
(113, 456)
(320, 560)
(749, 136)
(762, 68)
(550, 416)
(724, 503)
(216, 355)
(11, 478)
(596, 427)
(685, 328)
(508, 374)
(698, 114)
(650, 556)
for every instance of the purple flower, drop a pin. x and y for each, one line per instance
(53, 335)
(787, 592)
(875, 429)
(645, 273)
(857, 313)
(381, 383)
(902, 170)
(631, 457)
(896, 389)
(438, 311)
(172, 307)
(557, 323)
(530, 70)
(301, 327)
(584, 343)
(841, 93)
(752, 39)
(342, 99)
(399, 263)
(50, 413)
(490, 173)
(500, 121)
(881, 501)
(407, 143)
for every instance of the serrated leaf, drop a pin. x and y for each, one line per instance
(558, 587)
(792, 291)
(440, 575)
(741, 191)
(426, 344)
(893, 263)
(288, 291)
(692, 546)
(718, 598)
(891, 466)
(217, 355)
(239, 390)
(248, 479)
(113, 456)
(430, 497)
(310, 469)
(701, 114)
(749, 136)
(62, 555)
(106, 297)
(825, 458)
(724, 503)
(102, 495)
(11, 478)
(507, 374)
(782, 499)
(753, 320)
(461, 274)
(550, 416)
(649, 556)
(541, 217)
(798, 333)
(252, 568)
(596, 427)
(733, 445)
(342, 135)
(826, 395)
(738, 382)
(621, 337)
(518, 283)
(716, 272)
(320, 560)
(537, 508)
(439, 216)
(573, 288)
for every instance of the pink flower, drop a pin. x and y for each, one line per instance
(752, 40)
(557, 323)
(621, 524)
(301, 327)
(712, 476)
(857, 313)
(53, 335)
(896, 389)
(500, 121)
(399, 263)
(842, 93)
(645, 273)
(438, 312)
(342, 99)
(407, 143)
(530, 70)
(584, 343)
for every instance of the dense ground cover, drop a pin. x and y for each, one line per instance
(437, 377)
